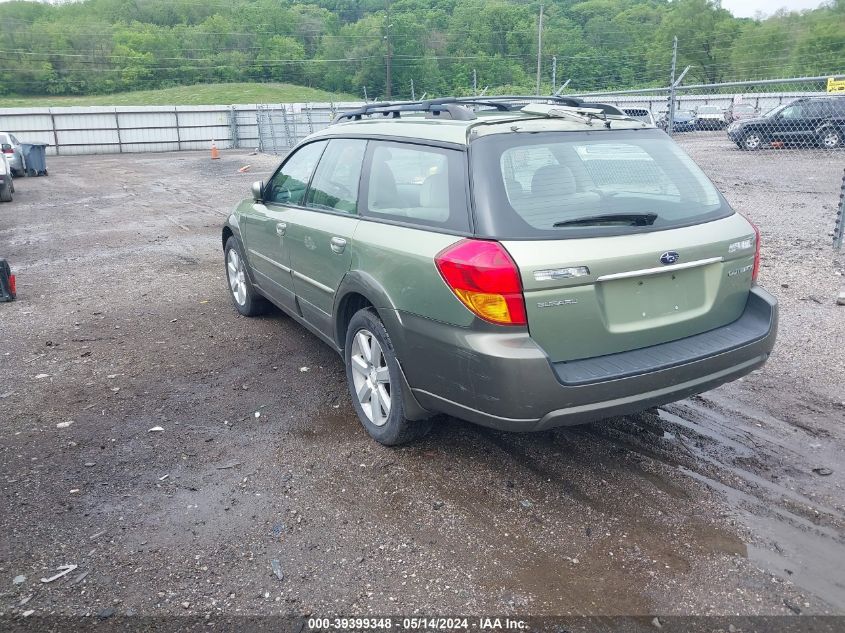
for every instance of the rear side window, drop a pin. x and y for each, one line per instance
(335, 183)
(289, 184)
(416, 184)
(544, 185)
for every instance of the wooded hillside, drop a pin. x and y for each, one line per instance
(106, 46)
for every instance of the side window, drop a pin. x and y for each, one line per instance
(417, 184)
(335, 183)
(792, 112)
(288, 185)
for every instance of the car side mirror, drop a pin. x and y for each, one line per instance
(258, 190)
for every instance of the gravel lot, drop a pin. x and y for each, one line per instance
(123, 324)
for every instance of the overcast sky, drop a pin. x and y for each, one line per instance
(748, 8)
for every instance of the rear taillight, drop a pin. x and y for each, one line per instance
(13, 287)
(8, 151)
(486, 280)
(756, 269)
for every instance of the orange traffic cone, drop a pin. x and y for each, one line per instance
(215, 153)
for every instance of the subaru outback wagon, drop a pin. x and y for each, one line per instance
(520, 267)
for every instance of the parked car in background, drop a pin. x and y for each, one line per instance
(11, 147)
(709, 117)
(739, 112)
(7, 186)
(684, 121)
(520, 269)
(805, 122)
(641, 114)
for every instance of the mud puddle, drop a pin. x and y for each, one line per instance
(762, 466)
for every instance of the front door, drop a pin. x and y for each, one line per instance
(320, 236)
(265, 226)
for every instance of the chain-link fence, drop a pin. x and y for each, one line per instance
(804, 113)
(275, 128)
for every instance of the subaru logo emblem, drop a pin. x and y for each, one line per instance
(669, 257)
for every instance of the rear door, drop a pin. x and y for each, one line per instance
(320, 233)
(265, 225)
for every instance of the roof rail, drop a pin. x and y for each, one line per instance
(449, 107)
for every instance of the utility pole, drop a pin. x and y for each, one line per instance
(670, 124)
(554, 72)
(413, 94)
(539, 47)
(388, 75)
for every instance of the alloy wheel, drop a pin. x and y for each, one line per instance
(237, 277)
(371, 377)
(753, 141)
(830, 139)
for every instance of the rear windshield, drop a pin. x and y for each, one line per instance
(535, 185)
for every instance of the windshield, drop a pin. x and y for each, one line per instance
(776, 109)
(566, 184)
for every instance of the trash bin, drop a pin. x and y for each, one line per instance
(35, 158)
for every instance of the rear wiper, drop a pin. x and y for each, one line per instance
(631, 219)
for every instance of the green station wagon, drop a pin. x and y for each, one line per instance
(519, 266)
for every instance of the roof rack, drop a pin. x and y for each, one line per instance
(454, 108)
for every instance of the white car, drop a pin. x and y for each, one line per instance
(709, 117)
(11, 148)
(7, 185)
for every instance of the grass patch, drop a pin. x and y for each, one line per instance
(201, 94)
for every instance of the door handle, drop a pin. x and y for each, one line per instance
(338, 244)
(281, 227)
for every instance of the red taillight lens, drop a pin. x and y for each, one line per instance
(486, 280)
(13, 289)
(8, 151)
(756, 269)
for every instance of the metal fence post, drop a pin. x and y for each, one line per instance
(233, 127)
(55, 133)
(178, 132)
(117, 127)
(670, 124)
(258, 126)
(287, 127)
(838, 228)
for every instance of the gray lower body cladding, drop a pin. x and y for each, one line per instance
(505, 381)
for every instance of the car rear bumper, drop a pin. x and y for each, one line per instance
(504, 380)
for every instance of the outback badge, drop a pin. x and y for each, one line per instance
(669, 257)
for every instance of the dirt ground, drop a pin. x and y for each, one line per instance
(719, 504)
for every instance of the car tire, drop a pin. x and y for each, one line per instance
(752, 141)
(6, 192)
(375, 380)
(244, 296)
(829, 139)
